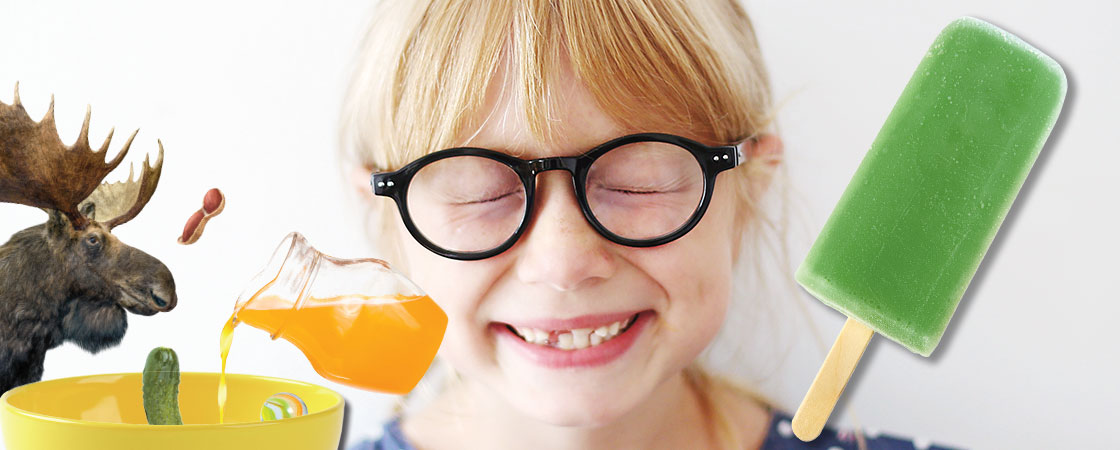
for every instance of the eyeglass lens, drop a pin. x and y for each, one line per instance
(642, 190)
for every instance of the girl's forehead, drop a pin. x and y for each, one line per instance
(570, 138)
(576, 120)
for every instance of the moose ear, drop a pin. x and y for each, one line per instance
(57, 224)
(88, 209)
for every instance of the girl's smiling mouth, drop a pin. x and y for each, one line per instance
(581, 342)
(576, 339)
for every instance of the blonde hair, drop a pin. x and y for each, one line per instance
(686, 67)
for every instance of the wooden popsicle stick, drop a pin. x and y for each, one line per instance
(831, 379)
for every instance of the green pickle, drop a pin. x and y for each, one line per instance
(161, 387)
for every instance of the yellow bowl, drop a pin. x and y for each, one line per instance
(107, 412)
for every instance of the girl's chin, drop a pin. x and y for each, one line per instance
(569, 409)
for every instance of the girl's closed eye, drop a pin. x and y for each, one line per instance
(645, 169)
(485, 196)
(466, 180)
(643, 187)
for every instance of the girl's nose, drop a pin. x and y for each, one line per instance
(560, 249)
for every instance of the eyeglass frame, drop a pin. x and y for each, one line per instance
(712, 159)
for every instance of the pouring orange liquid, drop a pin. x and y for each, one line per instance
(382, 343)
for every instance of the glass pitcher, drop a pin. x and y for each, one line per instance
(358, 321)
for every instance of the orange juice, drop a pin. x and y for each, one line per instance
(226, 341)
(381, 343)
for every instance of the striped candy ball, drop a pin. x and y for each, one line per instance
(283, 406)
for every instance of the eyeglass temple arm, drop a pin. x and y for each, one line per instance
(737, 152)
(381, 182)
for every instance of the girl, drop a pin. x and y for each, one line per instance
(572, 181)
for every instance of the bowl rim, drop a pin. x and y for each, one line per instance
(7, 407)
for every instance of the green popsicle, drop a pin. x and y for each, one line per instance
(910, 230)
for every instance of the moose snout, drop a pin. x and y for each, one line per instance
(154, 290)
(164, 301)
(162, 293)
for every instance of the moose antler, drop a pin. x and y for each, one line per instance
(37, 169)
(117, 203)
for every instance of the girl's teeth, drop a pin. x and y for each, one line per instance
(526, 333)
(596, 339)
(564, 341)
(580, 337)
(573, 339)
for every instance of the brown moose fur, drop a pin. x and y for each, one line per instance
(58, 284)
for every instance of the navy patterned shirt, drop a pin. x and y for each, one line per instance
(778, 437)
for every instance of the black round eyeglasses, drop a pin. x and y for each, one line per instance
(639, 190)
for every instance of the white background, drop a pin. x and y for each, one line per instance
(245, 98)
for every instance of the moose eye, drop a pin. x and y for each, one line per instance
(92, 240)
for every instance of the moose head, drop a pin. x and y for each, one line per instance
(70, 279)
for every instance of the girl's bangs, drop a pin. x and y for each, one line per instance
(651, 66)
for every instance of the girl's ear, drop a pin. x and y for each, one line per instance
(764, 154)
(358, 179)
